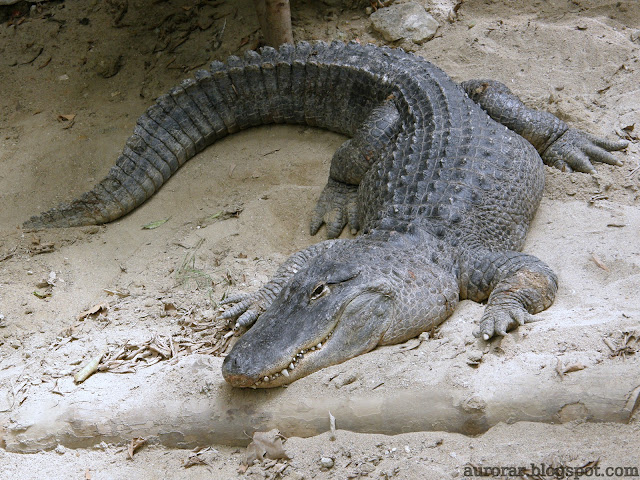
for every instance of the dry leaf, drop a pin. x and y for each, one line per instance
(104, 306)
(37, 248)
(266, 445)
(409, 345)
(66, 118)
(135, 444)
(194, 460)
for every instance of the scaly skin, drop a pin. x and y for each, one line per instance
(442, 193)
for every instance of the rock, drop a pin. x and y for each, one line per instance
(108, 65)
(346, 379)
(474, 357)
(326, 462)
(405, 21)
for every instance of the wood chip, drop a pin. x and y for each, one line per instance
(89, 369)
(332, 427)
(598, 262)
(574, 368)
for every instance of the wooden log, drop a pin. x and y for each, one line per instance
(142, 406)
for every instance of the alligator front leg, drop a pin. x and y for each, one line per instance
(338, 203)
(516, 285)
(249, 306)
(559, 145)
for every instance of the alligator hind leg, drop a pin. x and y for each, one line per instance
(515, 285)
(338, 205)
(559, 146)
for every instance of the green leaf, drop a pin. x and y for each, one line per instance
(156, 224)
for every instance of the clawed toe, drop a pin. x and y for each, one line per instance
(575, 150)
(336, 207)
(498, 321)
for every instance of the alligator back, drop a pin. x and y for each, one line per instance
(451, 170)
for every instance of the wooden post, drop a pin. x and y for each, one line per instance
(275, 21)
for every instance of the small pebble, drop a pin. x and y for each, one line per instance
(326, 462)
(61, 450)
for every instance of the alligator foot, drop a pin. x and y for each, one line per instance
(247, 308)
(515, 285)
(575, 150)
(499, 319)
(337, 206)
(525, 286)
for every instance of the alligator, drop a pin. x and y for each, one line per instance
(440, 179)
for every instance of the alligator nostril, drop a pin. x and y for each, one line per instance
(229, 365)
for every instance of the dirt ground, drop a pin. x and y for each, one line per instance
(76, 75)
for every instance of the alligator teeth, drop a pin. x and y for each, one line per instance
(294, 362)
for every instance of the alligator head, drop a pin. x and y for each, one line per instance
(329, 312)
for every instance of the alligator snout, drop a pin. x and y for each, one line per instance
(234, 374)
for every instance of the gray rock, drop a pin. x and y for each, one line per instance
(408, 21)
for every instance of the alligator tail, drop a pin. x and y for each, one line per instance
(287, 85)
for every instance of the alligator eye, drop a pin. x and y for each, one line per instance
(321, 290)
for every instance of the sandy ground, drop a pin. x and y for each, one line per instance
(75, 77)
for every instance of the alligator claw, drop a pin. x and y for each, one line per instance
(247, 319)
(575, 150)
(498, 320)
(336, 207)
(247, 308)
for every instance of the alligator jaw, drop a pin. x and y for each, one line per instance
(299, 365)
(289, 374)
(300, 361)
